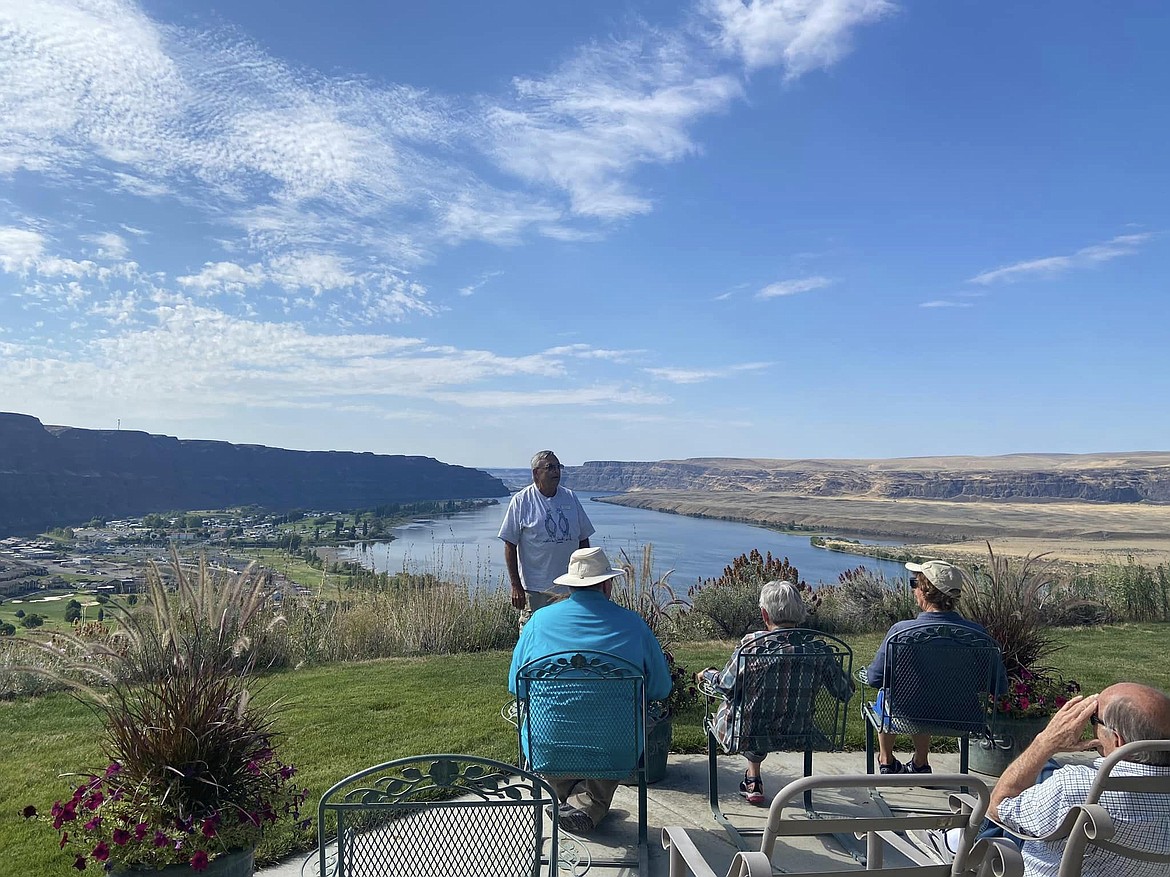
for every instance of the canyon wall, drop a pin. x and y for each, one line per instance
(57, 475)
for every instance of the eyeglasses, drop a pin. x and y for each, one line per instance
(1095, 720)
(552, 467)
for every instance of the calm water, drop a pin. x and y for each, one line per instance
(465, 547)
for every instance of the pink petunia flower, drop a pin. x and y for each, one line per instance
(93, 824)
(79, 863)
(121, 837)
(101, 852)
(199, 861)
(140, 830)
(208, 827)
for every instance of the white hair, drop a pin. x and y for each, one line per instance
(782, 602)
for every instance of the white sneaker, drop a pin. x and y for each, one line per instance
(933, 842)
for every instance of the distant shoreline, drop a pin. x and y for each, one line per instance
(1075, 532)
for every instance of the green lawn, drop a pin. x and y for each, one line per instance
(53, 609)
(341, 718)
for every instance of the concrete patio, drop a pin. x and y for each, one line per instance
(681, 799)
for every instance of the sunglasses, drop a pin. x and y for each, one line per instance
(552, 467)
(1095, 720)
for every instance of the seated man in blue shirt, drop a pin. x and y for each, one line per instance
(587, 620)
(937, 587)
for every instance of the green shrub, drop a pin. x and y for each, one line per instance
(729, 606)
(863, 601)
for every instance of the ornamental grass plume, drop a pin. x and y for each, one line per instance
(1016, 602)
(192, 772)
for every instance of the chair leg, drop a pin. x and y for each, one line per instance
(713, 792)
(965, 754)
(869, 746)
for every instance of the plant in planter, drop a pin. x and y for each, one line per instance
(192, 777)
(653, 599)
(1015, 602)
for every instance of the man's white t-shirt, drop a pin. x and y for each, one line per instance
(546, 531)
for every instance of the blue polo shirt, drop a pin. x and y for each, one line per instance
(588, 620)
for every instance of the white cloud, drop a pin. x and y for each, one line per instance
(99, 97)
(615, 106)
(800, 35)
(696, 376)
(223, 277)
(943, 303)
(472, 288)
(20, 249)
(202, 359)
(792, 287)
(1051, 266)
(586, 351)
(110, 246)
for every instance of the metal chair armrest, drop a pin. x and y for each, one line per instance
(684, 856)
(750, 864)
(708, 690)
(995, 857)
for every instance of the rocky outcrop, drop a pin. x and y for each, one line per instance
(57, 475)
(1110, 478)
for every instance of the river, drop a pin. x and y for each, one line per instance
(464, 547)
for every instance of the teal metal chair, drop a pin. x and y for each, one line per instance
(940, 680)
(439, 814)
(792, 695)
(583, 714)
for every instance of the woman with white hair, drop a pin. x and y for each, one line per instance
(781, 608)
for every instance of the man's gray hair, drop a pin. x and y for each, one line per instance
(1133, 723)
(782, 602)
(541, 455)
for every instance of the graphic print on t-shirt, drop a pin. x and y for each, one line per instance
(558, 530)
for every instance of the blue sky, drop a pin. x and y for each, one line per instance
(622, 230)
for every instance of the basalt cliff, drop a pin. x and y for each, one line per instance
(1107, 478)
(56, 475)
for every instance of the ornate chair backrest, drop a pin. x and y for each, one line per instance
(1141, 835)
(439, 814)
(581, 714)
(940, 679)
(793, 692)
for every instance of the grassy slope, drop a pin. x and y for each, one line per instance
(341, 718)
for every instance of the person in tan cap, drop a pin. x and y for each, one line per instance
(937, 587)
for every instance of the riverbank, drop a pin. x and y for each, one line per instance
(1075, 532)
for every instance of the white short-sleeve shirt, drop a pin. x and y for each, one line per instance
(546, 531)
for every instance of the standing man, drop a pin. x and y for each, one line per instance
(543, 526)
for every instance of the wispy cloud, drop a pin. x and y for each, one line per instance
(696, 375)
(944, 303)
(103, 97)
(792, 287)
(587, 351)
(1051, 266)
(472, 288)
(800, 35)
